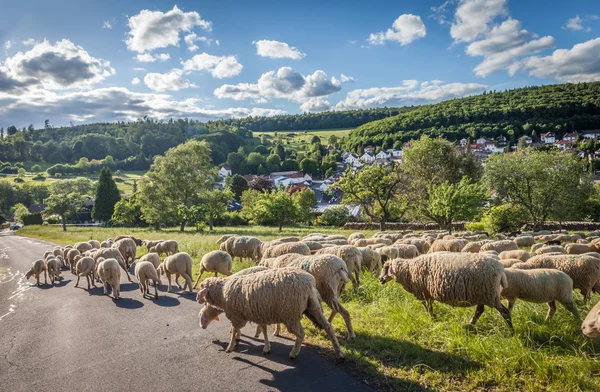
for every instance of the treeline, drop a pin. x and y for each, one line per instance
(513, 113)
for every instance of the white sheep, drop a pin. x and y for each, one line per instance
(53, 265)
(355, 236)
(109, 272)
(515, 254)
(591, 325)
(475, 246)
(82, 246)
(178, 264)
(576, 249)
(128, 249)
(165, 247)
(95, 244)
(370, 259)
(144, 273)
(71, 253)
(499, 246)
(37, 267)
(85, 266)
(287, 247)
(112, 253)
(524, 241)
(151, 243)
(352, 256)
(446, 246)
(216, 261)
(550, 249)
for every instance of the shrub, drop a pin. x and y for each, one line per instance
(504, 218)
(39, 177)
(53, 220)
(475, 226)
(334, 216)
(32, 219)
(19, 180)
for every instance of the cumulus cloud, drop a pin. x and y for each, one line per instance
(474, 18)
(30, 42)
(192, 38)
(7, 45)
(277, 50)
(12, 85)
(314, 105)
(576, 23)
(151, 30)
(347, 79)
(150, 58)
(285, 83)
(405, 29)
(60, 66)
(135, 81)
(219, 66)
(410, 92)
(581, 63)
(170, 81)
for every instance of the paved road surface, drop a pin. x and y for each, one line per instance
(64, 338)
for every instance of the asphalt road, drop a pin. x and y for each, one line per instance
(66, 338)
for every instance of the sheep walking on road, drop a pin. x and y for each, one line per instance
(37, 267)
(179, 264)
(216, 261)
(144, 273)
(109, 272)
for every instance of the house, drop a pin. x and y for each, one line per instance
(225, 171)
(476, 147)
(591, 133)
(367, 158)
(569, 137)
(548, 138)
(491, 147)
(396, 153)
(501, 140)
(382, 155)
(527, 139)
(369, 149)
(481, 141)
(564, 144)
(463, 142)
(286, 179)
(352, 160)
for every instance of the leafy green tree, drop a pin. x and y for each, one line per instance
(334, 216)
(19, 211)
(273, 163)
(36, 168)
(276, 207)
(37, 193)
(315, 139)
(126, 213)
(289, 165)
(280, 151)
(333, 140)
(21, 173)
(254, 161)
(215, 205)
(64, 205)
(504, 218)
(237, 185)
(193, 214)
(107, 195)
(309, 166)
(306, 202)
(237, 163)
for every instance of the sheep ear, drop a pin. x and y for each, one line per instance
(201, 296)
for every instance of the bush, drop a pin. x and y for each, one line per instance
(53, 220)
(32, 219)
(235, 219)
(475, 226)
(19, 180)
(504, 218)
(334, 216)
(39, 177)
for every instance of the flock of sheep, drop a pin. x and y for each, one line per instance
(293, 276)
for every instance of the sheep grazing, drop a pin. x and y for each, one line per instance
(524, 241)
(362, 242)
(455, 279)
(352, 256)
(57, 251)
(370, 259)
(446, 246)
(144, 273)
(112, 253)
(106, 244)
(53, 267)
(540, 286)
(224, 238)
(507, 263)
(154, 258)
(37, 267)
(82, 246)
(550, 249)
(244, 247)
(109, 272)
(591, 325)
(178, 264)
(71, 259)
(387, 252)
(355, 236)
(85, 267)
(138, 242)
(281, 249)
(151, 244)
(577, 249)
(499, 246)
(474, 247)
(95, 244)
(515, 254)
(535, 247)
(583, 270)
(313, 245)
(288, 239)
(268, 297)
(421, 244)
(166, 247)
(279, 261)
(128, 249)
(216, 261)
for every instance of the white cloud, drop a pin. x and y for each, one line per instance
(150, 58)
(314, 105)
(60, 66)
(576, 23)
(30, 42)
(151, 30)
(439, 13)
(285, 83)
(170, 81)
(277, 50)
(192, 38)
(106, 25)
(7, 45)
(139, 69)
(411, 92)
(347, 79)
(578, 64)
(218, 66)
(474, 18)
(405, 29)
(135, 81)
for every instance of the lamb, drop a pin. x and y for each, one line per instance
(584, 270)
(540, 286)
(53, 267)
(591, 325)
(111, 253)
(37, 267)
(82, 246)
(127, 247)
(281, 249)
(500, 246)
(151, 244)
(95, 244)
(85, 267)
(178, 264)
(474, 247)
(215, 261)
(138, 242)
(145, 272)
(550, 249)
(71, 259)
(268, 297)
(523, 241)
(352, 256)
(515, 254)
(446, 245)
(454, 279)
(370, 259)
(166, 247)
(109, 272)
(577, 249)
(355, 236)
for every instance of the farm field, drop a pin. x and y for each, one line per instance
(299, 138)
(399, 347)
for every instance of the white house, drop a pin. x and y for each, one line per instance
(463, 142)
(527, 139)
(548, 138)
(569, 137)
(290, 178)
(397, 153)
(564, 144)
(481, 141)
(367, 158)
(369, 149)
(352, 160)
(225, 171)
(491, 147)
(591, 134)
(382, 155)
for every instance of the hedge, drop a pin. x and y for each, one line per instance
(32, 219)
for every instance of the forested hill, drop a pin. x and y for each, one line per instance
(525, 111)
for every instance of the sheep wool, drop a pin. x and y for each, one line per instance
(352, 256)
(288, 247)
(85, 267)
(515, 254)
(216, 261)
(370, 259)
(577, 249)
(128, 249)
(109, 273)
(550, 249)
(112, 253)
(499, 246)
(475, 246)
(440, 245)
(179, 264)
(591, 325)
(37, 267)
(53, 267)
(144, 273)
(82, 246)
(524, 241)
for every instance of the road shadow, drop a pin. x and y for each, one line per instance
(127, 303)
(166, 301)
(129, 286)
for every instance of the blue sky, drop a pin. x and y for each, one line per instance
(74, 61)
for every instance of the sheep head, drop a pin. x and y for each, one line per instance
(29, 273)
(591, 325)
(208, 314)
(386, 273)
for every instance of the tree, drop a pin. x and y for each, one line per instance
(36, 193)
(306, 202)
(177, 178)
(36, 168)
(279, 150)
(64, 205)
(237, 185)
(126, 212)
(107, 195)
(450, 202)
(19, 211)
(21, 173)
(215, 205)
(289, 165)
(504, 218)
(542, 182)
(11, 130)
(273, 163)
(276, 207)
(334, 216)
(378, 189)
(309, 166)
(254, 161)
(315, 139)
(332, 140)
(237, 163)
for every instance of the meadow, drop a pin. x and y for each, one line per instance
(299, 139)
(399, 347)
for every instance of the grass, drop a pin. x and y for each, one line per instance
(399, 347)
(299, 139)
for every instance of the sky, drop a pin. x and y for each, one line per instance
(97, 61)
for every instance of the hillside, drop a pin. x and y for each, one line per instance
(525, 111)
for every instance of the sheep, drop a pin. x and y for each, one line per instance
(576, 249)
(112, 253)
(523, 241)
(355, 236)
(71, 259)
(53, 267)
(145, 272)
(95, 244)
(281, 249)
(47, 253)
(138, 242)
(535, 247)
(584, 270)
(406, 251)
(37, 267)
(244, 247)
(582, 241)
(57, 251)
(288, 239)
(66, 250)
(151, 243)
(224, 238)
(387, 252)
(109, 272)
(178, 264)
(82, 246)
(268, 297)
(508, 263)
(166, 247)
(313, 245)
(352, 256)
(421, 244)
(279, 261)
(499, 246)
(474, 247)
(336, 237)
(370, 259)
(515, 254)
(215, 261)
(446, 245)
(85, 267)
(540, 286)
(591, 325)
(362, 242)
(374, 246)
(105, 244)
(455, 279)
(550, 249)
(128, 249)
(336, 241)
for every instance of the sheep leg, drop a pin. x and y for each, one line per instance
(478, 312)
(346, 316)
(169, 281)
(155, 291)
(505, 313)
(188, 281)
(177, 280)
(232, 342)
(77, 283)
(87, 277)
(37, 279)
(551, 310)
(199, 276)
(296, 329)
(258, 331)
(45, 277)
(277, 330)
(267, 347)
(104, 284)
(511, 304)
(570, 306)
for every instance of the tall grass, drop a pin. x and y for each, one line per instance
(399, 347)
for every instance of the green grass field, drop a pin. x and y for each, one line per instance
(299, 138)
(399, 347)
